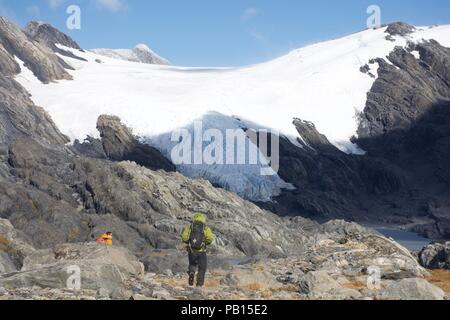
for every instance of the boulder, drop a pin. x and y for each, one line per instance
(90, 147)
(411, 289)
(340, 230)
(317, 283)
(120, 144)
(13, 248)
(6, 264)
(320, 285)
(435, 256)
(312, 138)
(102, 267)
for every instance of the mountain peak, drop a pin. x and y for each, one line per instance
(140, 53)
(48, 35)
(142, 47)
(400, 28)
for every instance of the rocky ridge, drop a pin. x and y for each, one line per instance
(41, 60)
(49, 36)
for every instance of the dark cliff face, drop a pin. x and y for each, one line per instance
(407, 89)
(330, 183)
(120, 144)
(19, 117)
(407, 122)
(49, 36)
(405, 129)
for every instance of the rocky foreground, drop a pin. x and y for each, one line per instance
(339, 264)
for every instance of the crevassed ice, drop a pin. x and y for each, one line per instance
(244, 179)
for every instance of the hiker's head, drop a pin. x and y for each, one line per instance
(199, 217)
(109, 233)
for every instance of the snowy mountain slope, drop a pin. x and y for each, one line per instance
(140, 53)
(321, 83)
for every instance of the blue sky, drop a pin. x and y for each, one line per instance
(219, 33)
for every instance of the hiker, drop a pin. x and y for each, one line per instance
(106, 238)
(197, 236)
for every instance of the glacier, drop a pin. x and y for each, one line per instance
(320, 83)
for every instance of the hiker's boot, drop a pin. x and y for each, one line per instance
(191, 279)
(200, 280)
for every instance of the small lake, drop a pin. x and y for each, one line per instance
(410, 240)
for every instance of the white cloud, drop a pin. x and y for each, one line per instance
(34, 11)
(55, 4)
(249, 14)
(112, 5)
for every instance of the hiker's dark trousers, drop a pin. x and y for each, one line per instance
(198, 260)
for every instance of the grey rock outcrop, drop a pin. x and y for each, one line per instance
(311, 137)
(45, 65)
(319, 285)
(435, 256)
(399, 29)
(19, 117)
(407, 88)
(100, 267)
(119, 144)
(317, 282)
(49, 36)
(90, 147)
(8, 65)
(13, 248)
(64, 194)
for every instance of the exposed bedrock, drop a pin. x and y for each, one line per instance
(44, 63)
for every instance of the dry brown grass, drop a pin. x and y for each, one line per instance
(218, 273)
(440, 278)
(355, 284)
(254, 286)
(174, 282)
(290, 289)
(212, 283)
(234, 297)
(266, 294)
(266, 291)
(4, 244)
